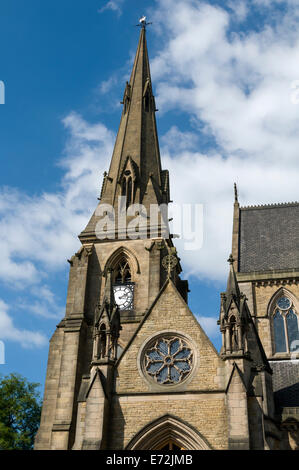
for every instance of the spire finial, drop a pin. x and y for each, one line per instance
(142, 22)
(231, 259)
(232, 288)
(236, 192)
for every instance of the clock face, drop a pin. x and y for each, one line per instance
(123, 296)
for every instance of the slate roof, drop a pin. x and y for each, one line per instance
(269, 238)
(286, 383)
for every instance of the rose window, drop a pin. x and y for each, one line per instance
(168, 361)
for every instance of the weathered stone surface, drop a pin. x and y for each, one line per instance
(94, 400)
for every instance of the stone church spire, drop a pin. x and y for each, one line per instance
(135, 169)
(232, 289)
(136, 147)
(130, 367)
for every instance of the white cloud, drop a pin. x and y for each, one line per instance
(44, 228)
(208, 180)
(39, 233)
(8, 331)
(237, 91)
(240, 86)
(175, 140)
(239, 8)
(209, 325)
(107, 85)
(42, 303)
(236, 88)
(114, 5)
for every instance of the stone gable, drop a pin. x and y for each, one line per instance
(171, 314)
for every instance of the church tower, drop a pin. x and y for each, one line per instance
(115, 276)
(129, 365)
(265, 248)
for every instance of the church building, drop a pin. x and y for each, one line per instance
(129, 366)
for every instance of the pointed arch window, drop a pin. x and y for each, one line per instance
(123, 272)
(285, 325)
(147, 96)
(123, 286)
(126, 98)
(279, 332)
(171, 445)
(127, 187)
(168, 433)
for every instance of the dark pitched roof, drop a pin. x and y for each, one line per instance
(285, 383)
(269, 237)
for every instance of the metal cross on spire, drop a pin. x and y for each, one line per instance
(142, 22)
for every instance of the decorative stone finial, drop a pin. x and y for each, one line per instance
(231, 259)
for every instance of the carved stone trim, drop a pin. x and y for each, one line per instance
(276, 282)
(88, 248)
(61, 426)
(150, 342)
(157, 433)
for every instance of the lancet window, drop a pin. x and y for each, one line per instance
(285, 326)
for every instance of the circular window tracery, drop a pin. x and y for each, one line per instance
(168, 360)
(284, 303)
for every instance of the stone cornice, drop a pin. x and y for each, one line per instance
(270, 277)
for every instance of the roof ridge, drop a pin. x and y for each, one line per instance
(278, 204)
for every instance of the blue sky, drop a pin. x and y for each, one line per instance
(224, 77)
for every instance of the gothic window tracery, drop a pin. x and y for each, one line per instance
(168, 360)
(285, 325)
(127, 187)
(123, 272)
(171, 445)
